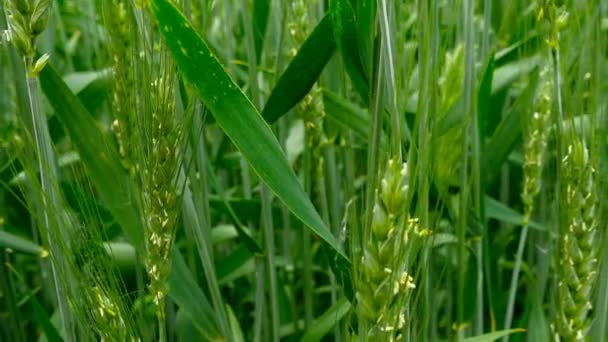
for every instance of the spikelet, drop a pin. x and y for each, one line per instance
(536, 146)
(159, 187)
(577, 256)
(107, 316)
(448, 146)
(120, 25)
(384, 284)
(26, 20)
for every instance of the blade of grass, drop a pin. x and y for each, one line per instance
(261, 12)
(237, 116)
(346, 114)
(324, 323)
(302, 72)
(345, 33)
(507, 133)
(39, 313)
(187, 295)
(366, 23)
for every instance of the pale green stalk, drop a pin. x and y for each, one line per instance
(24, 26)
(266, 222)
(470, 109)
(197, 201)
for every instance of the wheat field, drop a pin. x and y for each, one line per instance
(304, 170)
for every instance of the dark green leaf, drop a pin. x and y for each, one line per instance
(346, 114)
(302, 72)
(188, 296)
(507, 133)
(237, 116)
(366, 24)
(345, 33)
(261, 10)
(40, 316)
(484, 96)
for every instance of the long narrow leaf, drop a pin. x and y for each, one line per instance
(302, 72)
(345, 32)
(507, 133)
(237, 116)
(322, 325)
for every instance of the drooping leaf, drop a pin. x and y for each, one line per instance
(237, 116)
(97, 153)
(302, 72)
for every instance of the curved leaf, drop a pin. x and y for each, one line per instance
(237, 116)
(345, 33)
(302, 72)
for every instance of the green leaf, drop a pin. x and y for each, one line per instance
(490, 337)
(39, 314)
(237, 116)
(345, 33)
(508, 132)
(366, 24)
(235, 326)
(97, 153)
(346, 114)
(78, 81)
(243, 233)
(261, 10)
(186, 293)
(322, 325)
(19, 244)
(507, 74)
(501, 78)
(499, 211)
(302, 72)
(234, 265)
(484, 96)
